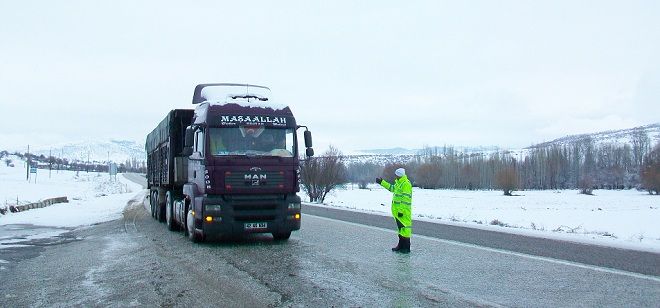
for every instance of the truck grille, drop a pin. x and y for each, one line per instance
(255, 180)
(255, 209)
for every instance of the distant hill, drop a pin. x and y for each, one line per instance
(97, 151)
(392, 151)
(459, 149)
(402, 155)
(621, 136)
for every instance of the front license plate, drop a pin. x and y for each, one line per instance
(255, 225)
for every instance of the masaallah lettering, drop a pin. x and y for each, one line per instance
(253, 119)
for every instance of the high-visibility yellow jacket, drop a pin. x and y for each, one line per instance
(401, 203)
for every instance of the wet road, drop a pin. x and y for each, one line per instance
(137, 262)
(641, 262)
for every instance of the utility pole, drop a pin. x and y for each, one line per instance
(27, 175)
(50, 161)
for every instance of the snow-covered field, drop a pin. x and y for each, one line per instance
(93, 198)
(625, 218)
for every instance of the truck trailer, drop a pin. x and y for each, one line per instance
(230, 166)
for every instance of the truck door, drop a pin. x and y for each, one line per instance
(197, 166)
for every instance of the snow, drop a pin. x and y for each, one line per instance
(222, 95)
(93, 198)
(99, 151)
(625, 219)
(77, 186)
(221, 92)
(248, 103)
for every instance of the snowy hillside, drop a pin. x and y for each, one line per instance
(95, 151)
(402, 155)
(621, 136)
(412, 152)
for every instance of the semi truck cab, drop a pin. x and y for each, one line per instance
(238, 169)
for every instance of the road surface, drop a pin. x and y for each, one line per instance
(329, 262)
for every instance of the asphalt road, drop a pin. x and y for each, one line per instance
(137, 262)
(627, 260)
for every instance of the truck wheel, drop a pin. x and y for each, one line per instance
(169, 213)
(280, 236)
(160, 208)
(190, 228)
(156, 206)
(152, 202)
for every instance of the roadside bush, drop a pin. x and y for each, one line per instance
(586, 185)
(507, 180)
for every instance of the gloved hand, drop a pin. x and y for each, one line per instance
(378, 180)
(399, 215)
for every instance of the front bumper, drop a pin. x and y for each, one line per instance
(237, 213)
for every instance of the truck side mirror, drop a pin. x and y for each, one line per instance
(188, 142)
(308, 140)
(309, 152)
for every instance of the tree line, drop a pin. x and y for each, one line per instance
(582, 164)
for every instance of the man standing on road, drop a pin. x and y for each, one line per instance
(401, 207)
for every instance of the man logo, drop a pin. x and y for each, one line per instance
(255, 179)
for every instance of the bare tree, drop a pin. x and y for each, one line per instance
(640, 145)
(363, 173)
(429, 175)
(320, 175)
(388, 172)
(650, 171)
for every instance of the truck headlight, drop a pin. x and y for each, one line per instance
(294, 206)
(213, 207)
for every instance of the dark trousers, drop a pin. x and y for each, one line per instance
(399, 225)
(404, 242)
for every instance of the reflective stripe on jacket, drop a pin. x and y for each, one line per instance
(401, 203)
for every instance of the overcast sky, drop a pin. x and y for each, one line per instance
(360, 74)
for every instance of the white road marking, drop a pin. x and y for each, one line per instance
(506, 252)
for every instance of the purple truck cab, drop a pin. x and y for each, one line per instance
(230, 166)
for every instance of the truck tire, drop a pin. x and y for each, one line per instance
(152, 202)
(190, 229)
(156, 206)
(160, 206)
(169, 213)
(281, 236)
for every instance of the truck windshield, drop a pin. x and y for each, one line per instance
(252, 140)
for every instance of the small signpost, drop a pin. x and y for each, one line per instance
(33, 169)
(112, 169)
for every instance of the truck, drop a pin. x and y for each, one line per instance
(230, 166)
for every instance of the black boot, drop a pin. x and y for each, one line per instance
(398, 246)
(405, 245)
